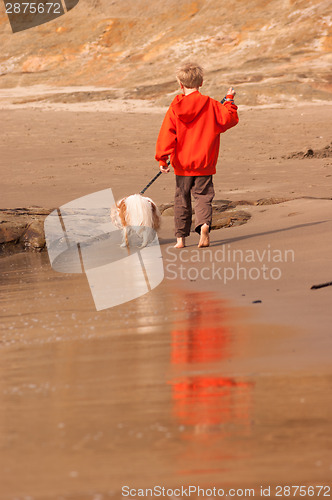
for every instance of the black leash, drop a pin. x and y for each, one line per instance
(154, 179)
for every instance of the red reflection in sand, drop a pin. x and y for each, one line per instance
(199, 345)
(207, 401)
(204, 336)
(210, 400)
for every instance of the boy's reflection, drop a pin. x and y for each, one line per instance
(207, 401)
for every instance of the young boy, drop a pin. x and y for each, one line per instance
(190, 134)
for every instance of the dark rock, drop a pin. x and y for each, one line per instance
(325, 152)
(11, 231)
(22, 228)
(221, 221)
(34, 236)
(229, 218)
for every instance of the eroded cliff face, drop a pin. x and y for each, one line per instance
(269, 50)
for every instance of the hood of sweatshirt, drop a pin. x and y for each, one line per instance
(189, 106)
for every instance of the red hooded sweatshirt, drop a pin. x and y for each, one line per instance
(190, 133)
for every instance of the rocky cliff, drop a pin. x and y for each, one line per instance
(269, 50)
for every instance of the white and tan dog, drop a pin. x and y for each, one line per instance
(136, 215)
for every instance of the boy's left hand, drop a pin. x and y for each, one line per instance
(164, 169)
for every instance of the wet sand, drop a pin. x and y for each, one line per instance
(191, 383)
(174, 388)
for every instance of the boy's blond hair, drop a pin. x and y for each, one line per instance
(190, 75)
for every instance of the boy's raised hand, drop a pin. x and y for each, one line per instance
(231, 92)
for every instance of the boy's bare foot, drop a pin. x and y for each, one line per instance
(180, 243)
(204, 240)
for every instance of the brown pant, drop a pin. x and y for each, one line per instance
(201, 186)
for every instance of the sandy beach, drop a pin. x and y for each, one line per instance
(63, 155)
(221, 375)
(215, 381)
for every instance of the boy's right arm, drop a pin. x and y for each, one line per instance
(226, 111)
(166, 140)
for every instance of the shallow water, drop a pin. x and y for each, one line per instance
(174, 388)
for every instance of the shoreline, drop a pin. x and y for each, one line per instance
(40, 97)
(266, 263)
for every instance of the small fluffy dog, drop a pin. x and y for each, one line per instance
(138, 216)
